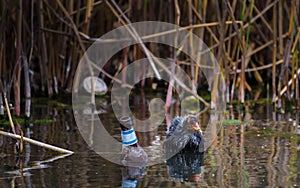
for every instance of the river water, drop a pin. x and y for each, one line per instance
(263, 151)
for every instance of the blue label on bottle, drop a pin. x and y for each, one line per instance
(129, 137)
(129, 183)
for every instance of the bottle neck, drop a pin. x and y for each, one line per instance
(129, 137)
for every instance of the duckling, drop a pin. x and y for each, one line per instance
(184, 134)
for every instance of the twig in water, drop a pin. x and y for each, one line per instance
(34, 142)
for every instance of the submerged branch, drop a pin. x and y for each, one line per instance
(35, 142)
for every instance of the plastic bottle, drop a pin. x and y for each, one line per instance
(132, 153)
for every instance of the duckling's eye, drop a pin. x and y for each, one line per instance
(192, 120)
(188, 120)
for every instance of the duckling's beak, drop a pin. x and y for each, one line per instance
(196, 127)
(194, 177)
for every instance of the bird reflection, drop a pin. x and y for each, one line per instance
(187, 166)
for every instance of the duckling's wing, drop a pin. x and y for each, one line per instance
(174, 124)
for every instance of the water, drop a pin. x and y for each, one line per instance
(264, 151)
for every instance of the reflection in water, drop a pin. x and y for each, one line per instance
(261, 152)
(186, 167)
(130, 176)
(23, 171)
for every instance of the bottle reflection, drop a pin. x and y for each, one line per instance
(130, 176)
(187, 166)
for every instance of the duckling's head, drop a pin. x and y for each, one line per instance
(191, 123)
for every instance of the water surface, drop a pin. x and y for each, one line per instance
(263, 151)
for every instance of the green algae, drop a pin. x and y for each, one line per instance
(21, 121)
(232, 122)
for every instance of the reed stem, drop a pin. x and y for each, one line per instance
(35, 142)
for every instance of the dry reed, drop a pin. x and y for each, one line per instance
(248, 38)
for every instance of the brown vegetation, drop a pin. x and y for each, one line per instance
(256, 42)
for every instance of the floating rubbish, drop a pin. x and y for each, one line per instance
(191, 105)
(100, 88)
(1, 110)
(89, 111)
(133, 154)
